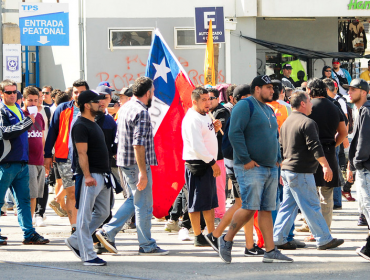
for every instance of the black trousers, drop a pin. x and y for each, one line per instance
(42, 202)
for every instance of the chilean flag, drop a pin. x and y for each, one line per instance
(172, 98)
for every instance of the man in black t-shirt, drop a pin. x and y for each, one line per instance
(92, 162)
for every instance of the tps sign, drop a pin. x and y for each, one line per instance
(202, 17)
(43, 24)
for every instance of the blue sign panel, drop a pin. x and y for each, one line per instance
(202, 18)
(44, 24)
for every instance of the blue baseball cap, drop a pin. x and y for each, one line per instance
(105, 83)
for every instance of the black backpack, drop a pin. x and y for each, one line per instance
(227, 149)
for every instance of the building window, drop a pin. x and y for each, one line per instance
(130, 38)
(185, 39)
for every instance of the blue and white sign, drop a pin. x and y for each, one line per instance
(12, 62)
(44, 24)
(202, 18)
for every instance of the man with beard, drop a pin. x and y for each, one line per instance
(359, 152)
(92, 161)
(341, 76)
(254, 138)
(135, 155)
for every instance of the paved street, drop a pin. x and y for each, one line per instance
(55, 261)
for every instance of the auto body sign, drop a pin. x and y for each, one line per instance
(202, 18)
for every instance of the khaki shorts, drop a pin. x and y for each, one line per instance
(65, 172)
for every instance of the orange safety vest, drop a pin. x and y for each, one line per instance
(280, 111)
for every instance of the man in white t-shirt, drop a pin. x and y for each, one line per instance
(200, 154)
(341, 76)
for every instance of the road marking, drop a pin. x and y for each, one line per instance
(77, 270)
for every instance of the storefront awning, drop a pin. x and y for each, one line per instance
(303, 53)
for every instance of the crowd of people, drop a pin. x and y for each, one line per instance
(282, 146)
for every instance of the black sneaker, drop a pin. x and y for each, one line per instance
(35, 239)
(100, 249)
(73, 249)
(364, 251)
(332, 244)
(200, 241)
(96, 262)
(110, 246)
(287, 246)
(254, 252)
(212, 241)
(362, 221)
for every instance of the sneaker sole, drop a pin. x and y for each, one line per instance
(71, 248)
(219, 252)
(56, 210)
(247, 255)
(95, 264)
(35, 242)
(358, 251)
(332, 247)
(210, 243)
(276, 260)
(154, 254)
(107, 246)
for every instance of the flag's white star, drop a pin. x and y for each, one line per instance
(162, 70)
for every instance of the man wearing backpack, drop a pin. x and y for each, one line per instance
(254, 139)
(341, 76)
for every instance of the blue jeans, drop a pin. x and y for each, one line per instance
(9, 198)
(363, 187)
(139, 203)
(300, 191)
(15, 176)
(258, 187)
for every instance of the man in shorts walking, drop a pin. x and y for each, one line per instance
(254, 138)
(36, 146)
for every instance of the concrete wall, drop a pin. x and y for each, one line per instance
(243, 52)
(122, 66)
(60, 65)
(319, 35)
(310, 8)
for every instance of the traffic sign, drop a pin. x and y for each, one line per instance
(44, 24)
(202, 17)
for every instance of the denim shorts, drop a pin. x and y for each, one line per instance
(258, 187)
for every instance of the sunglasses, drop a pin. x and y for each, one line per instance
(10, 92)
(212, 98)
(94, 101)
(46, 92)
(327, 70)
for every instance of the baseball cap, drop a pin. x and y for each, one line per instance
(125, 91)
(260, 81)
(89, 95)
(358, 83)
(241, 90)
(287, 66)
(335, 60)
(278, 84)
(106, 83)
(104, 90)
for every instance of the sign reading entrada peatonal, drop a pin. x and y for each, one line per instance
(358, 5)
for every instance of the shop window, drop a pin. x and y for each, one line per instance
(185, 39)
(130, 38)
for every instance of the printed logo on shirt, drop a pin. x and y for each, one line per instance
(35, 134)
(211, 126)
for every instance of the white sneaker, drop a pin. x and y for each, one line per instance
(51, 190)
(184, 234)
(39, 222)
(172, 226)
